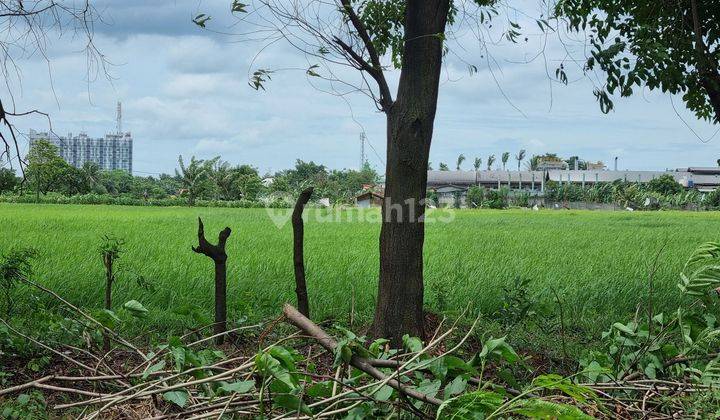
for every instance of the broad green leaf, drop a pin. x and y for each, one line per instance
(179, 398)
(154, 368)
(470, 406)
(319, 390)
(291, 402)
(135, 308)
(539, 409)
(239, 387)
(384, 393)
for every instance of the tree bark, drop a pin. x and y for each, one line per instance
(410, 121)
(219, 257)
(298, 255)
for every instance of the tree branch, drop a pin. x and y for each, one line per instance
(376, 69)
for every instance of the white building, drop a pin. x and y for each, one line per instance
(114, 151)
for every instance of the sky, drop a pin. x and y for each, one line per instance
(184, 91)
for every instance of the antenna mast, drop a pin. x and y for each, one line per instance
(362, 150)
(119, 118)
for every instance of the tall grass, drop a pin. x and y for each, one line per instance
(597, 261)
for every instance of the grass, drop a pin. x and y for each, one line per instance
(597, 262)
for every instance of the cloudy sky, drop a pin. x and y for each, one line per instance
(184, 91)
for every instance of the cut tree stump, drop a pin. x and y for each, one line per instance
(219, 257)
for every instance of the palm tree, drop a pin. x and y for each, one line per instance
(718, 162)
(505, 158)
(520, 157)
(91, 172)
(477, 164)
(460, 160)
(444, 167)
(223, 176)
(430, 168)
(192, 176)
(491, 160)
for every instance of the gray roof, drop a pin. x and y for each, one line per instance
(466, 178)
(610, 176)
(436, 178)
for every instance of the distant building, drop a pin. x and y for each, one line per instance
(550, 164)
(114, 151)
(595, 166)
(369, 199)
(453, 182)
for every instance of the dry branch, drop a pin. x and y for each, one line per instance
(298, 254)
(363, 364)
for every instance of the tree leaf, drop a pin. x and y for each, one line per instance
(154, 368)
(239, 387)
(292, 403)
(179, 398)
(135, 308)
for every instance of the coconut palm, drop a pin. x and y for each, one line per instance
(505, 158)
(520, 157)
(477, 164)
(460, 160)
(444, 167)
(491, 160)
(192, 176)
(91, 172)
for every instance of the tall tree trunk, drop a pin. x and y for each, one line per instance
(410, 121)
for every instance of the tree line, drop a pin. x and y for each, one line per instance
(194, 179)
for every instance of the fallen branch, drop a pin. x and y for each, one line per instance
(310, 328)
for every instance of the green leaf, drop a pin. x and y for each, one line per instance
(135, 308)
(539, 409)
(270, 366)
(320, 390)
(470, 406)
(179, 398)
(429, 388)
(384, 393)
(154, 368)
(412, 344)
(238, 7)
(498, 348)
(239, 387)
(579, 393)
(107, 318)
(291, 402)
(179, 356)
(284, 356)
(200, 19)
(457, 386)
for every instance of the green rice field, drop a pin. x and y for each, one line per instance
(597, 261)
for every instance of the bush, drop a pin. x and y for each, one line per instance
(126, 200)
(475, 196)
(665, 185)
(497, 199)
